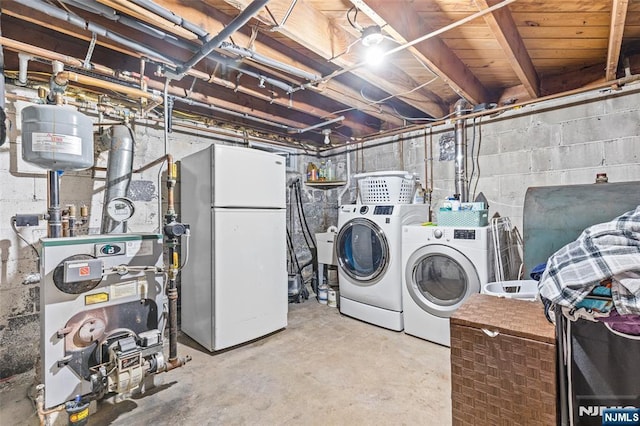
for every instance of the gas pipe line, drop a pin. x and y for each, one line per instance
(172, 239)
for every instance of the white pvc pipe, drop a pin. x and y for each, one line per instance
(23, 67)
(315, 126)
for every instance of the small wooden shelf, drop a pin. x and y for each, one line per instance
(325, 184)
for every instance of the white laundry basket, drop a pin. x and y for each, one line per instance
(515, 289)
(395, 187)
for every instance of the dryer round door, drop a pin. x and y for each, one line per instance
(362, 251)
(439, 278)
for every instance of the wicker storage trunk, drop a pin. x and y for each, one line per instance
(506, 379)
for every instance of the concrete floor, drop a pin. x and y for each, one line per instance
(324, 368)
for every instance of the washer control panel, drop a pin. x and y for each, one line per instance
(464, 234)
(383, 210)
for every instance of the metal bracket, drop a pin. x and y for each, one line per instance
(63, 332)
(63, 362)
(87, 60)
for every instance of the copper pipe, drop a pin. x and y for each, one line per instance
(171, 183)
(175, 363)
(66, 76)
(42, 413)
(178, 92)
(52, 56)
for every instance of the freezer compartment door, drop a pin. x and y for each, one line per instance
(245, 177)
(250, 288)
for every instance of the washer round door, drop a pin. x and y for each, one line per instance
(439, 278)
(362, 251)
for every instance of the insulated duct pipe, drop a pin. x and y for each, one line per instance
(96, 8)
(152, 86)
(94, 28)
(215, 42)
(247, 53)
(232, 113)
(229, 47)
(112, 14)
(119, 170)
(461, 152)
(172, 17)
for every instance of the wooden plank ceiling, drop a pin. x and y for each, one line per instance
(295, 71)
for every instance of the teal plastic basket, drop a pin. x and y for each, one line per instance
(469, 218)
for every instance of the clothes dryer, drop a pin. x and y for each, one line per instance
(368, 250)
(442, 267)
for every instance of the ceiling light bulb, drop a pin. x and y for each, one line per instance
(372, 36)
(374, 55)
(326, 133)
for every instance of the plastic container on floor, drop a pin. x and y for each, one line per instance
(515, 289)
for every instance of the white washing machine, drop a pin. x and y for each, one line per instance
(368, 251)
(443, 266)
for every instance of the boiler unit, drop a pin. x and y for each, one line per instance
(102, 314)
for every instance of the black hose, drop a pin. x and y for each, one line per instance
(313, 249)
(292, 252)
(3, 126)
(303, 218)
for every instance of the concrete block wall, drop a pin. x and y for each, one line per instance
(558, 142)
(24, 190)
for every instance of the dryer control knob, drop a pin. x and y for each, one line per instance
(437, 233)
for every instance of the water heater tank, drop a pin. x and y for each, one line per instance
(57, 137)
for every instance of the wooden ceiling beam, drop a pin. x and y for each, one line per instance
(506, 33)
(564, 82)
(405, 22)
(618, 19)
(213, 21)
(314, 31)
(297, 104)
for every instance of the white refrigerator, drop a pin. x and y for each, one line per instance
(234, 286)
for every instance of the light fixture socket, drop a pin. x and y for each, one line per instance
(372, 35)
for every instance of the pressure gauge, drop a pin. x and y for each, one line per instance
(120, 209)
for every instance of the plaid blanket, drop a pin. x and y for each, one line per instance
(604, 251)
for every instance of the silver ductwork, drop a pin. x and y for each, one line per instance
(119, 171)
(461, 151)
